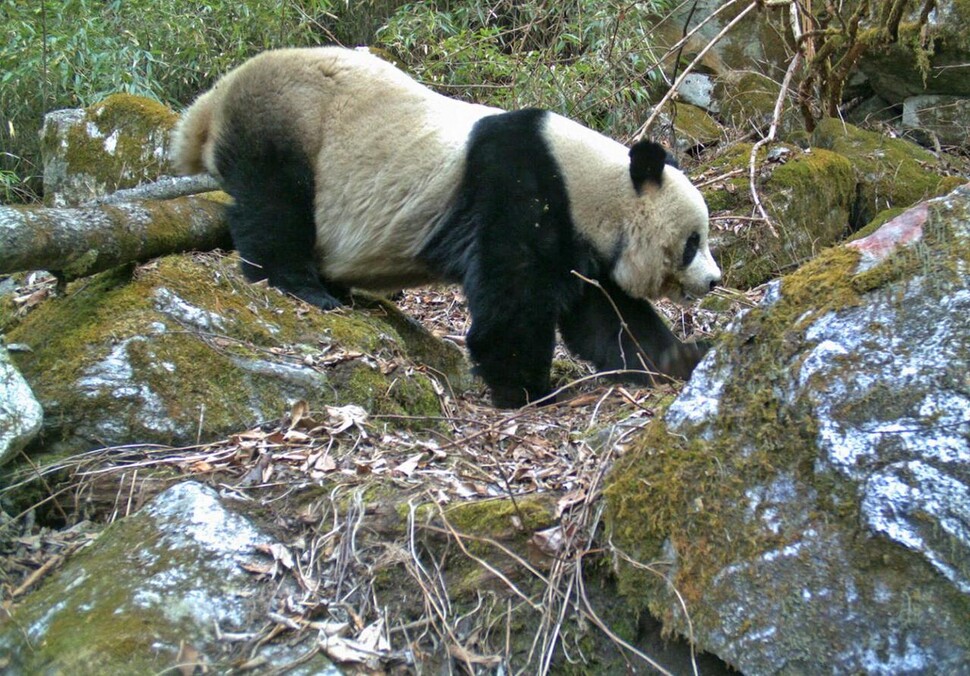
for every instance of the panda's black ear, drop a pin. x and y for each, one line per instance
(647, 161)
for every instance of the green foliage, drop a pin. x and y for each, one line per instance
(588, 59)
(71, 53)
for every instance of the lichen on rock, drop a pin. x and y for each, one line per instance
(175, 570)
(117, 143)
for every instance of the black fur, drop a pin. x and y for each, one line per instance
(510, 241)
(647, 161)
(620, 333)
(271, 219)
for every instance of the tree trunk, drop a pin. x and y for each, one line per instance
(81, 241)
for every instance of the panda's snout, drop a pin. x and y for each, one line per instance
(702, 275)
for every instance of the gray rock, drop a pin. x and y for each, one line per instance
(827, 529)
(167, 576)
(21, 415)
(117, 143)
(698, 89)
(188, 351)
(945, 118)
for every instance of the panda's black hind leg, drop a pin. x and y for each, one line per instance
(271, 219)
(268, 239)
(646, 350)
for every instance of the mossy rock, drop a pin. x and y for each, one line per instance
(117, 143)
(790, 506)
(881, 219)
(745, 96)
(183, 349)
(809, 197)
(176, 573)
(693, 127)
(891, 172)
(906, 68)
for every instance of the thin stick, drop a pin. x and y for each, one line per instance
(776, 116)
(37, 575)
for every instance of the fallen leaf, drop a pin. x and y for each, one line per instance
(569, 500)
(408, 467)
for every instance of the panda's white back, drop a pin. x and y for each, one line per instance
(392, 154)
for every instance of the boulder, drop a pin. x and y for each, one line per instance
(746, 100)
(20, 413)
(939, 118)
(117, 143)
(924, 61)
(803, 504)
(697, 89)
(809, 196)
(892, 172)
(177, 583)
(694, 129)
(757, 43)
(184, 350)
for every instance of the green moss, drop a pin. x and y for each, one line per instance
(91, 623)
(238, 354)
(121, 142)
(695, 125)
(809, 198)
(503, 519)
(892, 172)
(409, 399)
(126, 111)
(746, 97)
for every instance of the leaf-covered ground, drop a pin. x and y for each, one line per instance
(313, 466)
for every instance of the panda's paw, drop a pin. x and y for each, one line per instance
(318, 298)
(680, 360)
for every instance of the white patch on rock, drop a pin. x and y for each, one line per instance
(700, 400)
(179, 309)
(906, 451)
(21, 415)
(190, 518)
(919, 506)
(92, 130)
(111, 142)
(115, 377)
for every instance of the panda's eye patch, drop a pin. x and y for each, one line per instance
(690, 249)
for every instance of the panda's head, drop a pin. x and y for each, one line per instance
(665, 250)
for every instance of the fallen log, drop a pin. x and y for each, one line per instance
(80, 241)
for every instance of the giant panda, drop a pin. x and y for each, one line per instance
(345, 172)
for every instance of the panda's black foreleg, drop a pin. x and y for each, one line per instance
(645, 349)
(513, 333)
